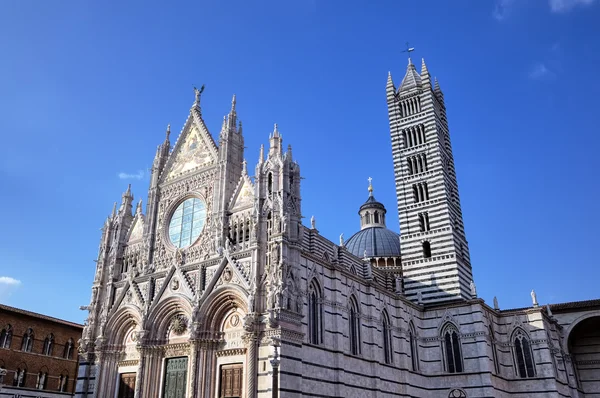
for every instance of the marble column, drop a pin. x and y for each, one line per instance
(193, 369)
(140, 372)
(251, 357)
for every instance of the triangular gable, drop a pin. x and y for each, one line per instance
(243, 196)
(237, 277)
(174, 283)
(194, 149)
(129, 295)
(137, 228)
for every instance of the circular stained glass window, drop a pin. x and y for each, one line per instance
(187, 222)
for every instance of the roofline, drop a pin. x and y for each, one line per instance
(40, 316)
(579, 305)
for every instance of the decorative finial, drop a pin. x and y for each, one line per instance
(245, 167)
(275, 131)
(261, 156)
(138, 209)
(233, 102)
(114, 210)
(408, 50)
(370, 186)
(128, 192)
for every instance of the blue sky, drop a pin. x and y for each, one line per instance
(88, 88)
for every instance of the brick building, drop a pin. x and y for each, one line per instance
(37, 352)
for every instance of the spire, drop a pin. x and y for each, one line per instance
(261, 156)
(275, 131)
(232, 117)
(438, 91)
(425, 73)
(390, 82)
(168, 133)
(411, 80)
(289, 152)
(114, 210)
(275, 142)
(240, 127)
(127, 193)
(138, 209)
(372, 212)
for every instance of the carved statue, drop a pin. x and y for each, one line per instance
(473, 289)
(342, 240)
(271, 297)
(534, 298)
(548, 310)
(419, 297)
(251, 297)
(496, 306)
(313, 222)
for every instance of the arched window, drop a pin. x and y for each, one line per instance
(376, 217)
(63, 381)
(27, 342)
(414, 351)
(270, 183)
(48, 343)
(6, 337)
(426, 249)
(493, 346)
(41, 380)
(354, 324)
(523, 354)
(315, 313)
(19, 377)
(68, 352)
(387, 338)
(451, 348)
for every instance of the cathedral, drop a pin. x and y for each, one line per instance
(217, 289)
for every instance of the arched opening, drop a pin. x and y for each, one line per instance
(270, 183)
(354, 326)
(315, 313)
(584, 347)
(452, 349)
(48, 345)
(6, 336)
(27, 342)
(387, 338)
(523, 354)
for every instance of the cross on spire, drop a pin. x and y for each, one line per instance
(408, 50)
(370, 185)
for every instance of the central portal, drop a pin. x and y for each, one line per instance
(175, 377)
(231, 380)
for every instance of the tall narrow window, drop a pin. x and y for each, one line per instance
(426, 249)
(416, 193)
(63, 381)
(414, 352)
(19, 377)
(68, 352)
(48, 343)
(523, 354)
(41, 380)
(451, 347)
(354, 324)
(27, 343)
(2, 373)
(387, 339)
(424, 222)
(270, 183)
(493, 346)
(315, 313)
(6, 337)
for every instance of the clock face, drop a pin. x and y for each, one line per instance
(187, 222)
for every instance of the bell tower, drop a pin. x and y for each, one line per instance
(435, 254)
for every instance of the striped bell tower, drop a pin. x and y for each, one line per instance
(435, 254)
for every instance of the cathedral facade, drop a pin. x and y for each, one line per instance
(218, 289)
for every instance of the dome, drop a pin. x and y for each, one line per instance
(377, 241)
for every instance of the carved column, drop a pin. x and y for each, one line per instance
(193, 369)
(275, 365)
(140, 372)
(251, 341)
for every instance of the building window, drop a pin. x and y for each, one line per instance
(387, 339)
(493, 346)
(27, 343)
(523, 354)
(414, 352)
(417, 164)
(68, 352)
(19, 377)
(2, 374)
(315, 314)
(424, 222)
(48, 343)
(426, 249)
(354, 323)
(6, 337)
(420, 192)
(451, 348)
(63, 381)
(41, 381)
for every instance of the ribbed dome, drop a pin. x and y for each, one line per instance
(377, 241)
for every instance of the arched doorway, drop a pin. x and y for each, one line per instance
(584, 347)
